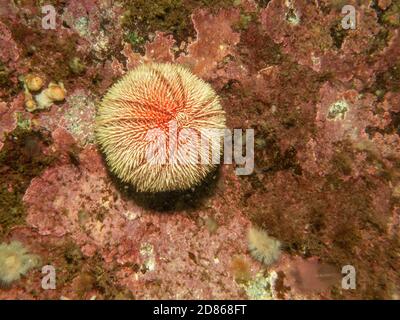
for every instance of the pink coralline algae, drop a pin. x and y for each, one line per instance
(82, 203)
(9, 51)
(306, 34)
(307, 276)
(214, 42)
(203, 54)
(341, 115)
(159, 50)
(8, 116)
(86, 19)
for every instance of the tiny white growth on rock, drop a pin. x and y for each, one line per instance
(338, 110)
(262, 287)
(263, 247)
(147, 252)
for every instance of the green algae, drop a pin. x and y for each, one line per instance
(76, 65)
(88, 272)
(142, 17)
(244, 21)
(48, 52)
(135, 40)
(392, 15)
(386, 81)
(262, 3)
(20, 161)
(338, 34)
(4, 75)
(22, 122)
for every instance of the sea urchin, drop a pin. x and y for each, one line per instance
(152, 124)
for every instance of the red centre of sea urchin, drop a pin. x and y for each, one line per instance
(164, 107)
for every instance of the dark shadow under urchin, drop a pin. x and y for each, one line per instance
(173, 201)
(170, 201)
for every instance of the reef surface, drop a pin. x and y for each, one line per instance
(325, 106)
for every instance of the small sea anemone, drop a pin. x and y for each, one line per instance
(263, 247)
(15, 261)
(30, 103)
(53, 93)
(33, 82)
(158, 103)
(240, 268)
(56, 92)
